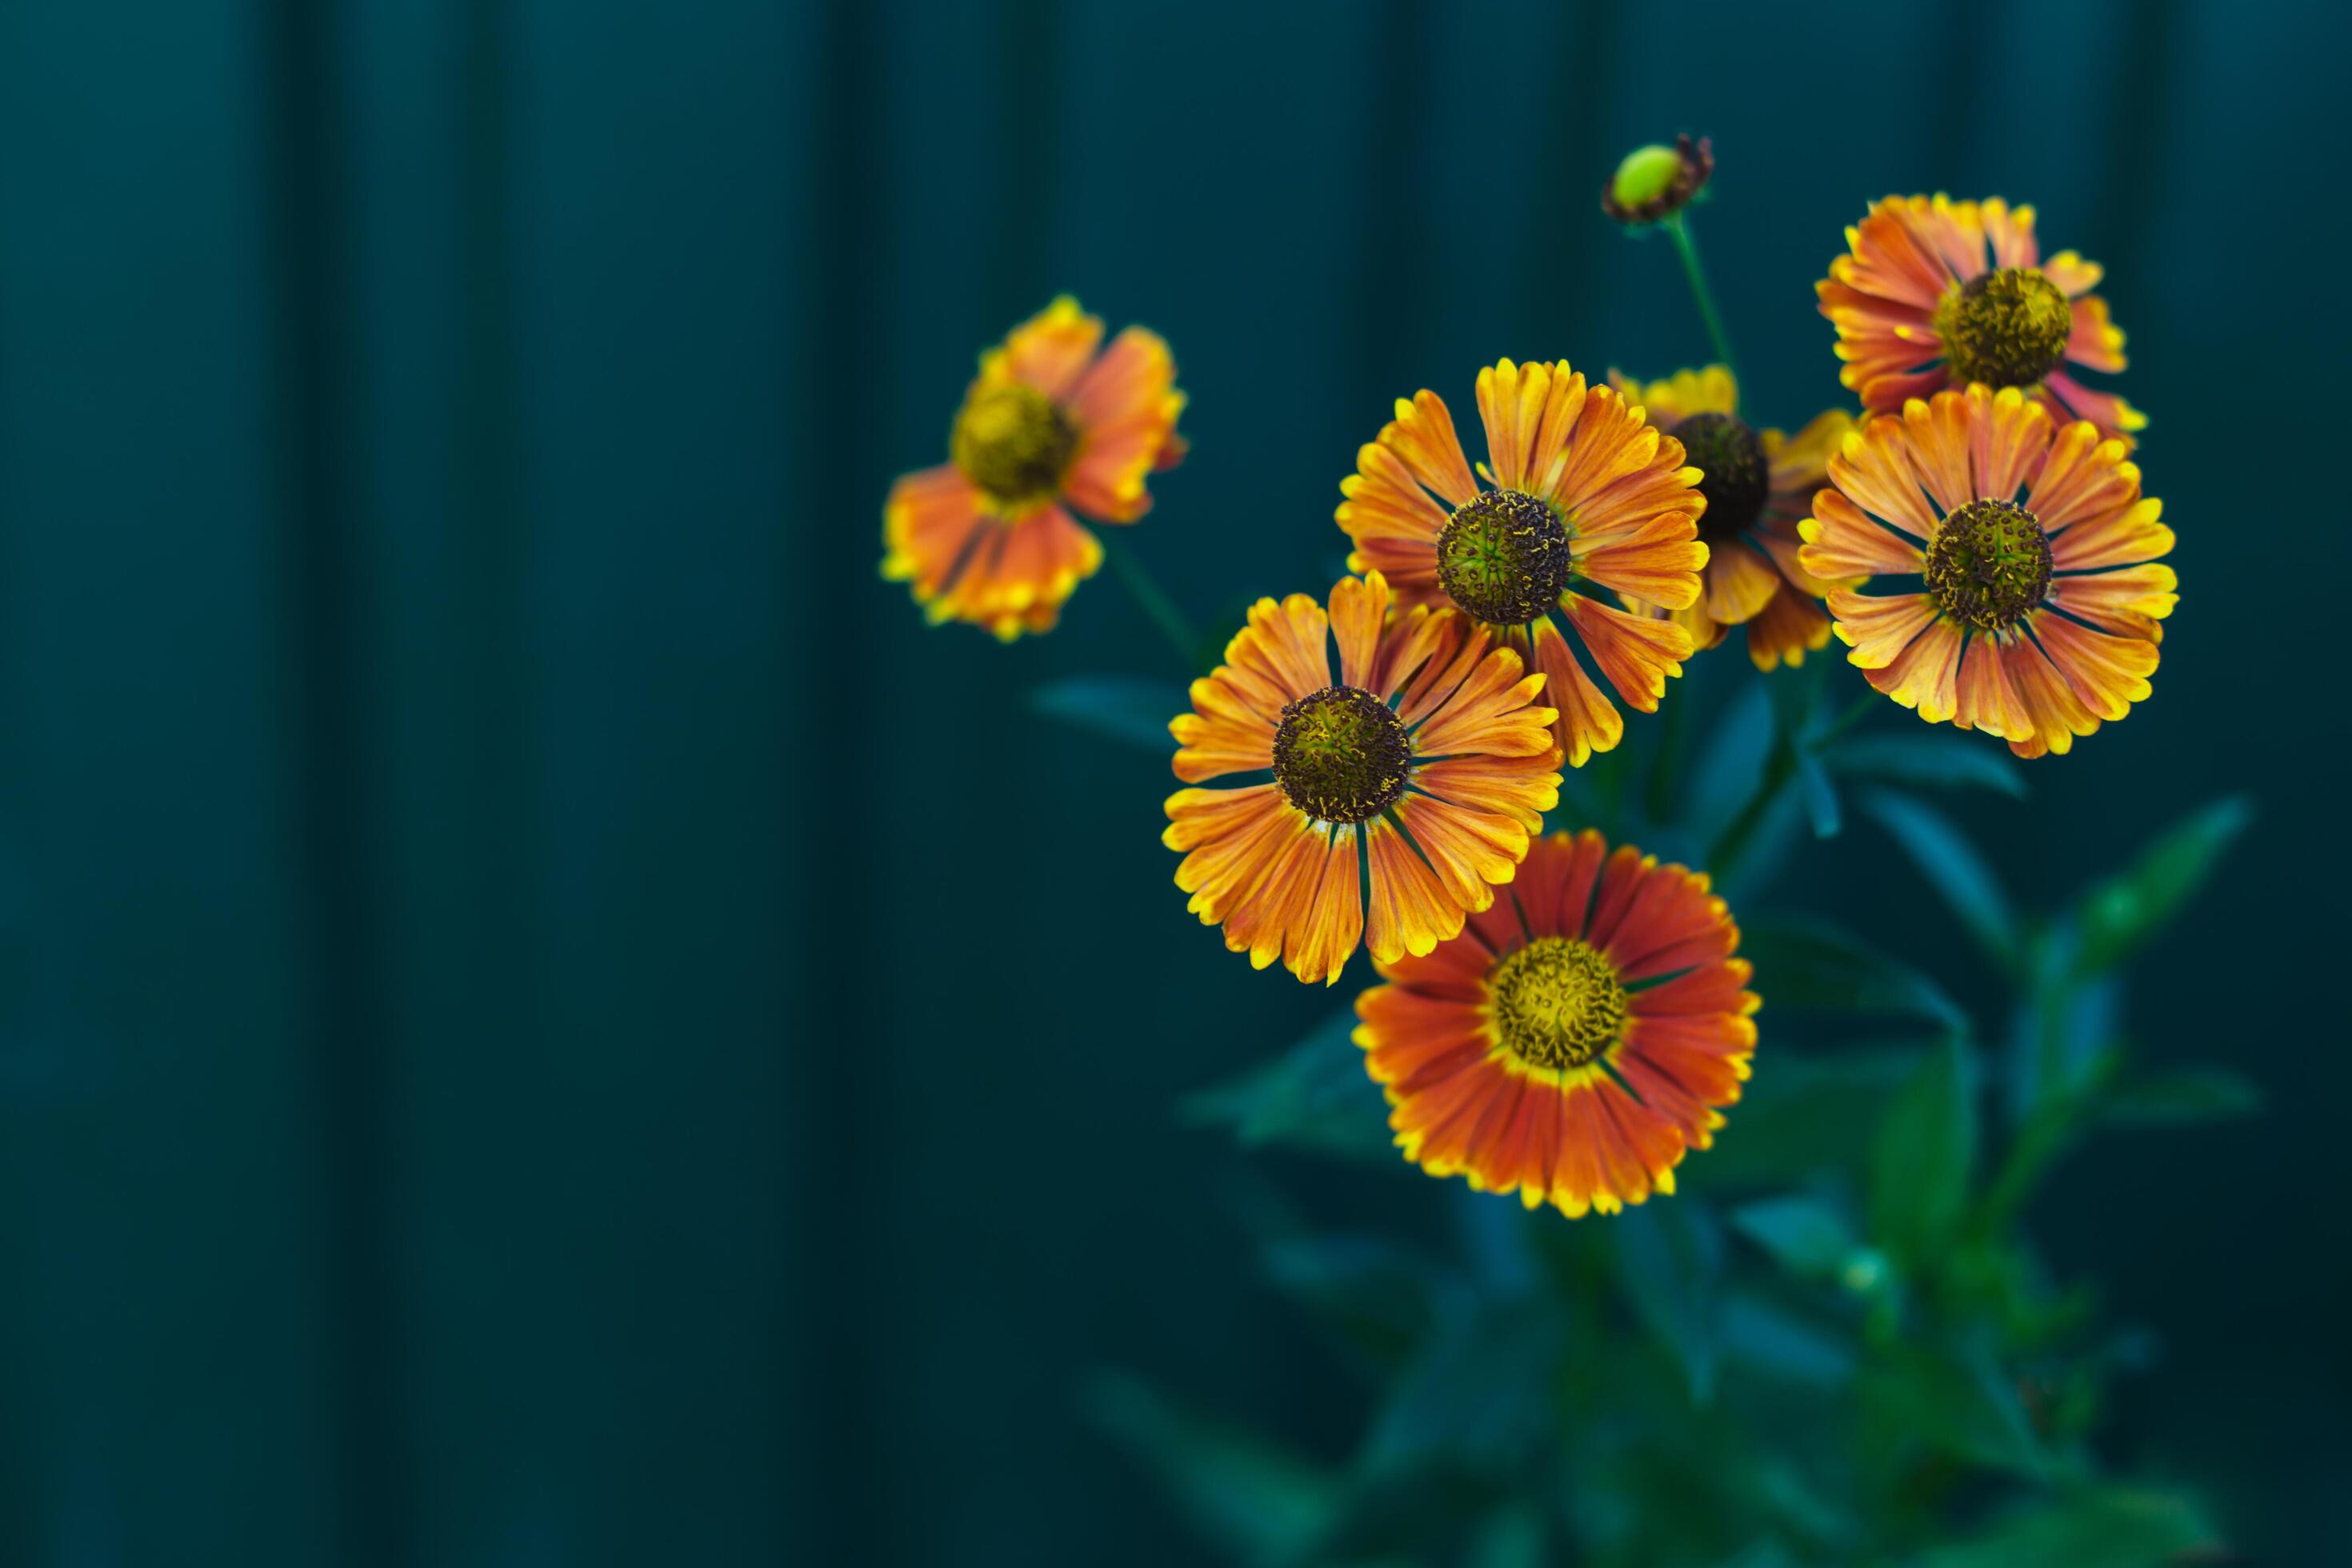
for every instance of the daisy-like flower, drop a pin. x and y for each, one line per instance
(1759, 485)
(1575, 1039)
(1422, 769)
(1920, 306)
(1054, 423)
(1582, 492)
(2032, 592)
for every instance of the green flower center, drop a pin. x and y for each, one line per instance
(1504, 557)
(2005, 328)
(1987, 564)
(1341, 755)
(1738, 478)
(1013, 443)
(1557, 1003)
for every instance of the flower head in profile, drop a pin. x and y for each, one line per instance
(1576, 1039)
(1759, 484)
(2028, 590)
(1935, 293)
(1581, 493)
(1395, 794)
(1055, 422)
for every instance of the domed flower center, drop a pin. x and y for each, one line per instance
(2005, 328)
(1341, 755)
(1504, 557)
(1012, 442)
(1557, 1003)
(1987, 564)
(1731, 456)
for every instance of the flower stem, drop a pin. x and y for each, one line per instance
(1156, 604)
(1679, 226)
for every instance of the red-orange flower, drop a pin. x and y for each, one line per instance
(1418, 773)
(1920, 307)
(2030, 619)
(1581, 492)
(1050, 426)
(1759, 485)
(1575, 1039)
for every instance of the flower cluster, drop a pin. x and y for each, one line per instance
(1373, 768)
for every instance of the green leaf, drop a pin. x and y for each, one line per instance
(1377, 1291)
(1480, 1392)
(1805, 1234)
(1819, 795)
(2107, 1527)
(1933, 760)
(1250, 1495)
(1803, 1113)
(1670, 1259)
(1803, 963)
(1762, 1334)
(1314, 1096)
(2181, 1098)
(1953, 868)
(1924, 1156)
(1121, 707)
(1959, 1401)
(2120, 915)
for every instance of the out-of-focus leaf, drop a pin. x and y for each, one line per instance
(1510, 1537)
(2066, 1022)
(1670, 1260)
(1732, 760)
(2119, 915)
(1768, 1338)
(2181, 1097)
(2107, 1527)
(1122, 707)
(1959, 1401)
(1253, 1498)
(1953, 868)
(1924, 1156)
(1314, 1096)
(1812, 965)
(1372, 1288)
(1479, 1393)
(1820, 795)
(1803, 1113)
(1804, 1234)
(1934, 759)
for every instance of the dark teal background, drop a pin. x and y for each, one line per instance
(549, 1020)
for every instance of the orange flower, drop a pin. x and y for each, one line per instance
(2032, 620)
(1583, 492)
(1575, 1039)
(1049, 425)
(1429, 750)
(1758, 484)
(1917, 308)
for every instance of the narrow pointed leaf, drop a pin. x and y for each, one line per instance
(2121, 914)
(2181, 1098)
(1315, 1096)
(1931, 761)
(1804, 1234)
(1924, 1157)
(2107, 1527)
(1249, 1496)
(1670, 1258)
(1123, 708)
(1952, 867)
(1803, 963)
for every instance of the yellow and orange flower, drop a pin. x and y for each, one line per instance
(1920, 307)
(1759, 485)
(1422, 769)
(2031, 619)
(1582, 490)
(1054, 423)
(1575, 1039)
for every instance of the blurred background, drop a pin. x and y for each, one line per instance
(548, 1019)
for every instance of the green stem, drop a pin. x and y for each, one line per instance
(1156, 604)
(1687, 249)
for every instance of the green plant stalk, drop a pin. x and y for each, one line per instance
(1678, 228)
(1148, 597)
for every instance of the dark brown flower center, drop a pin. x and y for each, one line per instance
(1557, 1003)
(1987, 564)
(2005, 328)
(1341, 755)
(1738, 478)
(1504, 557)
(1013, 442)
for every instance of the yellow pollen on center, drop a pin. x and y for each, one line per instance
(1557, 1003)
